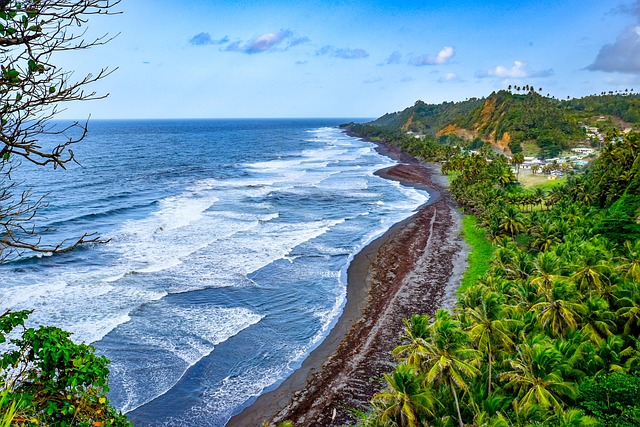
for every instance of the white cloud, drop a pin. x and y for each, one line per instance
(519, 70)
(443, 57)
(449, 78)
(281, 40)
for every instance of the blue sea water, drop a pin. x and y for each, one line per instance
(226, 264)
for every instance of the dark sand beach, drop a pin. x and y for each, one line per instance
(415, 267)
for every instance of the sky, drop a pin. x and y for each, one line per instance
(355, 59)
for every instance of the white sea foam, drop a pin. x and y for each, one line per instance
(168, 342)
(76, 305)
(212, 234)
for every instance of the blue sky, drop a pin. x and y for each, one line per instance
(228, 59)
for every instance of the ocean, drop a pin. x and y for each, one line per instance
(229, 242)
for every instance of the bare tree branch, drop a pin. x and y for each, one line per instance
(32, 89)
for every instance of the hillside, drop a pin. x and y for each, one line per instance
(621, 111)
(424, 118)
(508, 120)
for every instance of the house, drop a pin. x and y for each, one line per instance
(584, 150)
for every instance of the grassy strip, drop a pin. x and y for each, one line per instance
(479, 255)
(549, 184)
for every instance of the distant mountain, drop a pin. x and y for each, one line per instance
(508, 120)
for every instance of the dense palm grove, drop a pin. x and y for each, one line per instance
(549, 335)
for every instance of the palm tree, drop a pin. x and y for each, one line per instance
(405, 400)
(417, 332)
(546, 271)
(590, 273)
(517, 159)
(572, 418)
(483, 419)
(535, 373)
(498, 170)
(450, 361)
(512, 221)
(611, 353)
(545, 235)
(630, 310)
(630, 265)
(559, 312)
(489, 328)
(598, 322)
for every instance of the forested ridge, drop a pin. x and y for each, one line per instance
(508, 119)
(548, 336)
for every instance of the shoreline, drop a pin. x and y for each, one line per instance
(391, 278)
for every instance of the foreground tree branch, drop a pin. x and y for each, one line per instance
(32, 90)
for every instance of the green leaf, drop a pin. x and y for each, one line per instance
(33, 66)
(5, 157)
(52, 89)
(11, 73)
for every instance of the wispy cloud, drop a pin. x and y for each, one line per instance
(204, 39)
(394, 58)
(627, 9)
(519, 70)
(449, 78)
(342, 53)
(274, 41)
(443, 57)
(373, 80)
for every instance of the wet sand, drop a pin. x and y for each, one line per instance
(415, 267)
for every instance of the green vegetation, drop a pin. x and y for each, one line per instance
(622, 106)
(528, 117)
(426, 147)
(479, 255)
(427, 118)
(541, 181)
(48, 380)
(548, 336)
(527, 122)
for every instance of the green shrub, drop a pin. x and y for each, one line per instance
(612, 399)
(47, 379)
